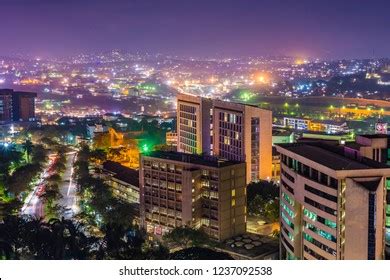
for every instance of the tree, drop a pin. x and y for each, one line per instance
(256, 206)
(98, 155)
(54, 179)
(50, 198)
(21, 178)
(39, 154)
(198, 253)
(26, 238)
(266, 190)
(28, 146)
(271, 211)
(185, 237)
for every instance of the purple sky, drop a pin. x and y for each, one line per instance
(322, 28)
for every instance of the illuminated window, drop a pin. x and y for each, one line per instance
(287, 220)
(233, 202)
(233, 192)
(288, 198)
(321, 232)
(288, 210)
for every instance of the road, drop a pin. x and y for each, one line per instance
(68, 188)
(33, 205)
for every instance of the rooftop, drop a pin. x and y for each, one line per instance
(251, 246)
(331, 156)
(281, 132)
(375, 136)
(123, 173)
(191, 158)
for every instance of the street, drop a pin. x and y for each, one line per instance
(68, 188)
(33, 205)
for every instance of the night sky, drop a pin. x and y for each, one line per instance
(327, 29)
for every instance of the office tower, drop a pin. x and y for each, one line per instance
(17, 106)
(5, 106)
(193, 124)
(178, 189)
(229, 130)
(332, 206)
(244, 133)
(23, 104)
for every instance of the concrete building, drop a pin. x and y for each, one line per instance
(123, 180)
(23, 105)
(229, 130)
(375, 147)
(93, 129)
(193, 124)
(296, 123)
(282, 136)
(17, 106)
(179, 189)
(329, 126)
(275, 165)
(5, 107)
(171, 139)
(332, 206)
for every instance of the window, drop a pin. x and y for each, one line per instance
(371, 226)
(288, 199)
(286, 186)
(320, 206)
(321, 232)
(315, 242)
(314, 217)
(287, 221)
(288, 210)
(320, 193)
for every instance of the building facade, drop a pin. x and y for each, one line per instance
(23, 104)
(17, 106)
(5, 107)
(232, 131)
(171, 139)
(179, 189)
(332, 206)
(123, 180)
(193, 124)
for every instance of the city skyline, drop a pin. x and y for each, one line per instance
(194, 130)
(325, 29)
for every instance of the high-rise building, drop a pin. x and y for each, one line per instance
(193, 124)
(229, 130)
(23, 104)
(179, 189)
(17, 106)
(332, 205)
(244, 133)
(5, 106)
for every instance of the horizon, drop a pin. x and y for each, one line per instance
(325, 29)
